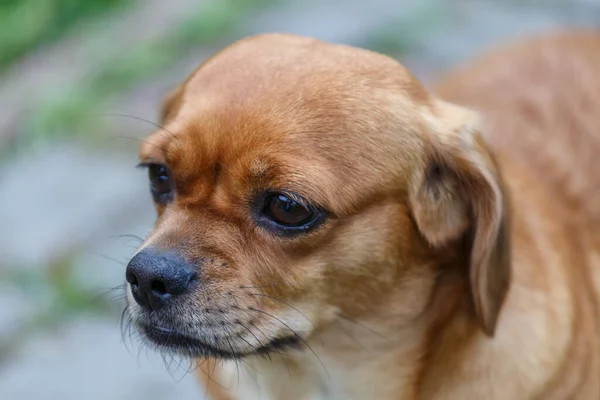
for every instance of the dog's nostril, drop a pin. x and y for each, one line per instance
(158, 287)
(131, 278)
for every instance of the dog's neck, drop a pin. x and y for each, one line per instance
(336, 364)
(337, 358)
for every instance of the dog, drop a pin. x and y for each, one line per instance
(329, 228)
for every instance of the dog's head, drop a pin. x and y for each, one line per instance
(298, 182)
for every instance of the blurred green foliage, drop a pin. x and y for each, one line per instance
(69, 112)
(27, 24)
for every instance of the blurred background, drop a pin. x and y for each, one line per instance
(69, 192)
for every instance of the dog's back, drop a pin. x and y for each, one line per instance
(541, 102)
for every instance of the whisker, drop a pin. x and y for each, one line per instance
(161, 127)
(292, 307)
(139, 140)
(131, 332)
(129, 236)
(286, 364)
(352, 338)
(208, 374)
(163, 356)
(252, 333)
(298, 336)
(118, 296)
(142, 345)
(247, 342)
(192, 367)
(278, 326)
(266, 355)
(237, 367)
(259, 287)
(237, 370)
(125, 323)
(136, 118)
(266, 337)
(286, 303)
(345, 317)
(210, 378)
(109, 258)
(250, 371)
(176, 361)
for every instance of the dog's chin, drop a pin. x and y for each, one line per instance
(173, 341)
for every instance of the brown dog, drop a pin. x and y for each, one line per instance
(329, 229)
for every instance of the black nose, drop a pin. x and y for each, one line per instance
(156, 276)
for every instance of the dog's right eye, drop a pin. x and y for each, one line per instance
(161, 182)
(286, 211)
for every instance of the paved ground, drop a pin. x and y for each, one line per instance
(67, 199)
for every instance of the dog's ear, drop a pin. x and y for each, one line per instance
(171, 104)
(458, 194)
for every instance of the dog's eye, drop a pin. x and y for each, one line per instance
(287, 214)
(285, 211)
(161, 182)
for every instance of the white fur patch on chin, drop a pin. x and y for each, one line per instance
(266, 380)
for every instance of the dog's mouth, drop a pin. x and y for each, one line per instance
(173, 340)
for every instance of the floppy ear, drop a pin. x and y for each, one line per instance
(170, 104)
(458, 194)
